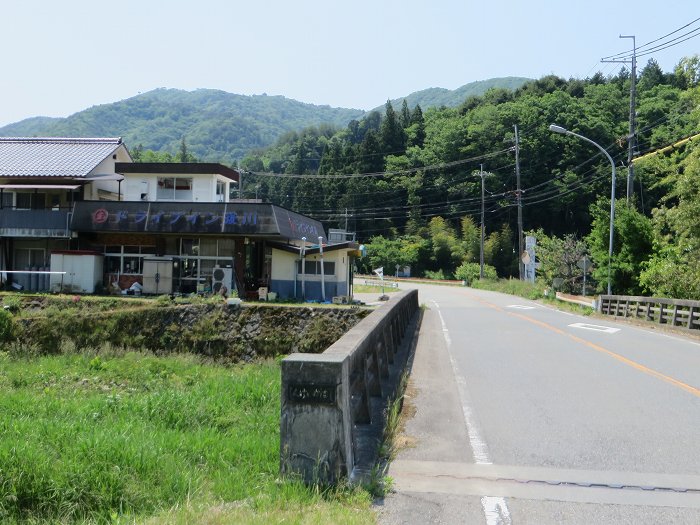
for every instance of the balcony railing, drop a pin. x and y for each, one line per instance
(34, 223)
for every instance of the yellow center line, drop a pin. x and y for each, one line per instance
(637, 366)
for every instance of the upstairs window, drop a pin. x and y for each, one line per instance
(220, 191)
(8, 200)
(174, 189)
(31, 201)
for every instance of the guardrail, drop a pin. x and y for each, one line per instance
(379, 283)
(674, 312)
(334, 403)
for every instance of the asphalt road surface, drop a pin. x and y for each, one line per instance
(519, 413)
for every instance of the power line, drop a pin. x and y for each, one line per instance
(627, 53)
(382, 173)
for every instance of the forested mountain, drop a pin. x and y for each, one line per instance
(437, 97)
(217, 126)
(408, 181)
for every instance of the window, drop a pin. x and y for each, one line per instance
(127, 259)
(28, 258)
(314, 268)
(220, 191)
(31, 201)
(7, 200)
(174, 189)
(189, 247)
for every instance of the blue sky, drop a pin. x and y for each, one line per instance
(62, 57)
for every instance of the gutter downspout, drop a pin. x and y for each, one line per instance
(323, 277)
(303, 268)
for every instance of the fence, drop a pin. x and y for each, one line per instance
(673, 312)
(334, 403)
(380, 283)
(29, 280)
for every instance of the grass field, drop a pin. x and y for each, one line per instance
(124, 437)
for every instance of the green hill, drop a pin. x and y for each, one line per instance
(218, 126)
(438, 97)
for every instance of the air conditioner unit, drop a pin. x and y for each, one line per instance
(221, 277)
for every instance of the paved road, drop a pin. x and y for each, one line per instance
(525, 414)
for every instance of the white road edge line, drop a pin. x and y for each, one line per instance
(495, 508)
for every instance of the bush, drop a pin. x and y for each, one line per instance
(6, 326)
(439, 275)
(470, 272)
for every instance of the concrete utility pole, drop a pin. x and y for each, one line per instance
(483, 229)
(632, 137)
(520, 204)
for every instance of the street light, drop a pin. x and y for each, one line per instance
(563, 131)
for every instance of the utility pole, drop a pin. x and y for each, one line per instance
(632, 137)
(520, 203)
(240, 179)
(483, 230)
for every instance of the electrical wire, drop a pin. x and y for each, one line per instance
(627, 54)
(383, 173)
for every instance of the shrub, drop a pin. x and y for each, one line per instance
(438, 275)
(470, 272)
(6, 326)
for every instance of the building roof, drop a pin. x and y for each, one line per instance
(53, 157)
(179, 168)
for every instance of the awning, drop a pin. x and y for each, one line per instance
(104, 176)
(40, 186)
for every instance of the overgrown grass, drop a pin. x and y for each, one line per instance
(517, 287)
(117, 437)
(528, 290)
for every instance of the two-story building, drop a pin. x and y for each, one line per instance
(170, 227)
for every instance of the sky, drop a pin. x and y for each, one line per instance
(62, 57)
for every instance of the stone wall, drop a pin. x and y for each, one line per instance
(216, 330)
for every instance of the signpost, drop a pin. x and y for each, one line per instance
(380, 272)
(585, 264)
(528, 259)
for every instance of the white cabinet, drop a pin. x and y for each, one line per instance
(83, 271)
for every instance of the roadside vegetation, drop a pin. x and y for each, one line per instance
(105, 433)
(110, 436)
(422, 207)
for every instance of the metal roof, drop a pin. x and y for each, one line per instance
(185, 168)
(53, 157)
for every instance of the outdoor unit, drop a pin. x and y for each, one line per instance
(221, 277)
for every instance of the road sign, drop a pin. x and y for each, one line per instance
(585, 263)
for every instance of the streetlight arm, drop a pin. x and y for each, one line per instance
(564, 131)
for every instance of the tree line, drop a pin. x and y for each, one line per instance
(408, 181)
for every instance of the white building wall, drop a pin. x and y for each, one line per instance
(203, 186)
(136, 183)
(283, 265)
(106, 167)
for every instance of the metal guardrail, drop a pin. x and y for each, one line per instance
(673, 312)
(380, 283)
(334, 403)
